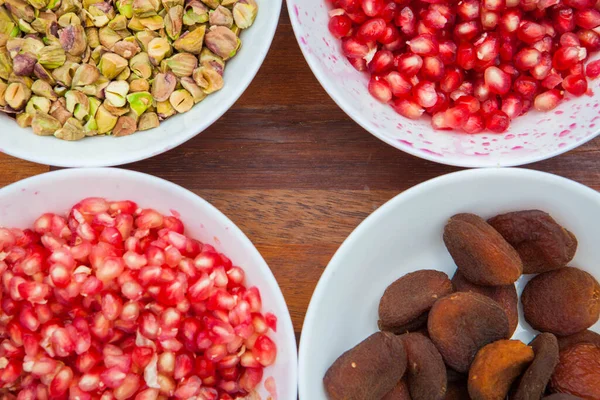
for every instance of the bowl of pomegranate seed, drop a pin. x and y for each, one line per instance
(406, 235)
(120, 285)
(474, 83)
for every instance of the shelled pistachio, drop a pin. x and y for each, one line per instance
(77, 68)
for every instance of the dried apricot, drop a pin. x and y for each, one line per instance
(405, 302)
(505, 295)
(461, 323)
(563, 302)
(495, 368)
(578, 371)
(541, 242)
(535, 379)
(562, 396)
(369, 370)
(400, 392)
(586, 336)
(481, 254)
(426, 370)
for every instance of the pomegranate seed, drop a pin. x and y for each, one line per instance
(451, 81)
(113, 377)
(552, 80)
(512, 105)
(408, 108)
(399, 87)
(470, 102)
(406, 21)
(589, 39)
(566, 57)
(580, 4)
(372, 7)
(424, 45)
(530, 32)
(592, 70)
(497, 121)
(382, 61)
(542, 70)
(390, 12)
(438, 121)
(433, 68)
(474, 124)
(489, 20)
(548, 100)
(468, 10)
(564, 20)
(264, 350)
(575, 84)
(447, 52)
(587, 19)
(465, 89)
(371, 30)
(569, 39)
(526, 86)
(467, 30)
(544, 4)
(527, 58)
(340, 25)
(497, 80)
(487, 48)
(489, 106)
(576, 69)
(409, 64)
(391, 38)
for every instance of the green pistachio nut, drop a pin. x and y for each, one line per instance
(125, 8)
(91, 127)
(93, 37)
(244, 13)
(74, 98)
(17, 95)
(42, 73)
(182, 64)
(145, 8)
(118, 23)
(126, 49)
(140, 65)
(38, 103)
(5, 65)
(43, 124)
(23, 64)
(195, 13)
(163, 85)
(125, 126)
(139, 85)
(20, 10)
(68, 19)
(212, 3)
(59, 111)
(158, 49)
(197, 93)
(181, 100)
(221, 41)
(71, 130)
(24, 120)
(144, 38)
(153, 23)
(105, 120)
(147, 121)
(64, 74)
(111, 65)
(221, 16)
(72, 39)
(94, 103)
(174, 22)
(52, 56)
(86, 74)
(43, 89)
(3, 87)
(116, 93)
(164, 109)
(191, 41)
(139, 102)
(211, 60)
(108, 37)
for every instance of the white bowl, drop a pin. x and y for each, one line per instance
(21, 203)
(405, 235)
(108, 151)
(533, 137)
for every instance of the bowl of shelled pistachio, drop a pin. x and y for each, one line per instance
(100, 83)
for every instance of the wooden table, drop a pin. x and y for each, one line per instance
(295, 173)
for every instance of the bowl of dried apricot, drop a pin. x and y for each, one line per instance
(491, 292)
(120, 285)
(108, 83)
(474, 83)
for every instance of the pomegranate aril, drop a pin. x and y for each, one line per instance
(575, 84)
(424, 45)
(447, 52)
(564, 20)
(589, 39)
(548, 100)
(433, 68)
(61, 382)
(552, 80)
(371, 30)
(382, 61)
(588, 18)
(527, 58)
(512, 105)
(406, 20)
(438, 121)
(592, 70)
(509, 21)
(489, 106)
(468, 10)
(465, 56)
(113, 377)
(372, 7)
(530, 32)
(474, 124)
(391, 38)
(264, 350)
(467, 30)
(497, 80)
(569, 39)
(526, 86)
(497, 121)
(542, 70)
(487, 48)
(489, 19)
(340, 25)
(451, 81)
(409, 64)
(470, 102)
(566, 57)
(580, 4)
(399, 86)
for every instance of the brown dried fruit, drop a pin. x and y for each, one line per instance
(426, 370)
(561, 396)
(535, 379)
(495, 368)
(578, 371)
(405, 303)
(457, 391)
(400, 392)
(480, 252)
(541, 242)
(586, 336)
(505, 295)
(369, 370)
(462, 323)
(563, 302)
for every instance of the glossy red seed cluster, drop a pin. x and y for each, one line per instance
(473, 64)
(115, 302)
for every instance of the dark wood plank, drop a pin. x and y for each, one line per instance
(14, 170)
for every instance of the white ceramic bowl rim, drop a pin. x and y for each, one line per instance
(327, 278)
(110, 151)
(284, 321)
(354, 111)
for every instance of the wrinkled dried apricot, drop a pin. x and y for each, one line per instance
(425, 368)
(563, 302)
(505, 295)
(578, 371)
(481, 254)
(562, 396)
(586, 336)
(541, 242)
(535, 379)
(461, 323)
(400, 392)
(495, 368)
(405, 302)
(369, 370)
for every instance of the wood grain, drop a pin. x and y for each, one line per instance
(295, 173)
